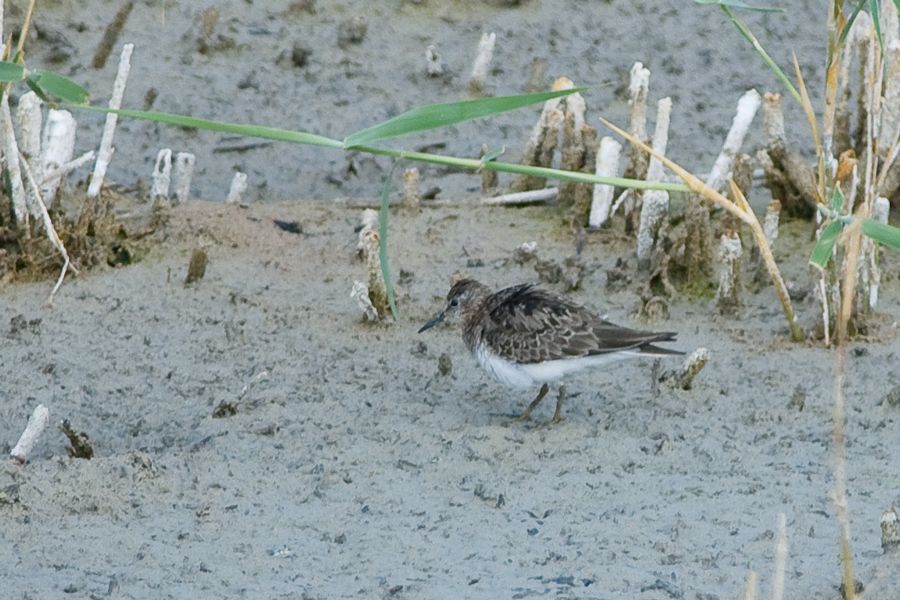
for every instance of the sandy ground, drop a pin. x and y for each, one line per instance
(353, 468)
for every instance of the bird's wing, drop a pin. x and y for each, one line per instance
(527, 324)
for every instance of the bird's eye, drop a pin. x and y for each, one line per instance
(454, 302)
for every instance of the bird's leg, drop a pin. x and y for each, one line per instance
(560, 398)
(527, 414)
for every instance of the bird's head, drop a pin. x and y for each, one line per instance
(464, 294)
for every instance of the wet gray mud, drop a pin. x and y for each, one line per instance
(255, 439)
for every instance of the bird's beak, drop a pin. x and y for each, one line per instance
(434, 321)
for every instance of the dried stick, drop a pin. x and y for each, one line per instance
(37, 422)
(656, 202)
(744, 213)
(607, 166)
(746, 111)
(104, 154)
(63, 170)
(520, 198)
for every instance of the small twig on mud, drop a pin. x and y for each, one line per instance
(520, 198)
(37, 422)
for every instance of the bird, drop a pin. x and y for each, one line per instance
(524, 335)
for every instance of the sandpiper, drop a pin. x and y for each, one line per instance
(524, 335)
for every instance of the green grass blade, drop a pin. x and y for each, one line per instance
(432, 116)
(58, 86)
(742, 5)
(10, 71)
(269, 133)
(874, 11)
(745, 31)
(545, 172)
(382, 240)
(300, 137)
(886, 234)
(837, 199)
(824, 248)
(846, 30)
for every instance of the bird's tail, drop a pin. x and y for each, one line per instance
(648, 349)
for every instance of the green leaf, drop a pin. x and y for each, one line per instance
(58, 86)
(10, 71)
(824, 248)
(837, 199)
(269, 133)
(382, 240)
(770, 62)
(846, 30)
(37, 90)
(743, 5)
(886, 234)
(876, 21)
(433, 116)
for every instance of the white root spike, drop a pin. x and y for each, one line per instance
(162, 175)
(104, 155)
(37, 423)
(482, 62)
(11, 154)
(746, 111)
(656, 202)
(184, 172)
(58, 148)
(607, 166)
(29, 117)
(238, 187)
